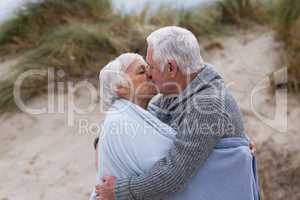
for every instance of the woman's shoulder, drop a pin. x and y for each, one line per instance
(121, 110)
(122, 106)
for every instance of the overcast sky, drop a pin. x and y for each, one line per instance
(8, 7)
(137, 5)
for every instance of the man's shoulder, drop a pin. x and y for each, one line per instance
(162, 101)
(210, 94)
(212, 103)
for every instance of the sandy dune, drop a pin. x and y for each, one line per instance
(42, 158)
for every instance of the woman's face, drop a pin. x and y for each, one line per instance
(142, 85)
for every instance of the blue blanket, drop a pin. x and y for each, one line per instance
(132, 140)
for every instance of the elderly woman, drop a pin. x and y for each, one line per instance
(132, 139)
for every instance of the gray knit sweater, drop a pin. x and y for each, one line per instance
(202, 114)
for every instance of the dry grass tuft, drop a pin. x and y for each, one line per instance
(287, 25)
(80, 36)
(240, 12)
(77, 36)
(293, 57)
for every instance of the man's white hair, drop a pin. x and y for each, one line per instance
(175, 43)
(113, 74)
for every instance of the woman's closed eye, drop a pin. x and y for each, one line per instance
(141, 70)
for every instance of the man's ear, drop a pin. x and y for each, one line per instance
(172, 67)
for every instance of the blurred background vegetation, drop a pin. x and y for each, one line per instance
(80, 36)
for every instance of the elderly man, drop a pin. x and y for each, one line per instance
(197, 106)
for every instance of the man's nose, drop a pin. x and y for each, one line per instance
(148, 73)
(149, 76)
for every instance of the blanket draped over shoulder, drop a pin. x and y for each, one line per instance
(132, 140)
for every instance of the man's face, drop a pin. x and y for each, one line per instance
(167, 81)
(154, 69)
(161, 79)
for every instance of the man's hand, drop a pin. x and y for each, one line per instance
(105, 191)
(252, 147)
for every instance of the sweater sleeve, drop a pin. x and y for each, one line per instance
(197, 136)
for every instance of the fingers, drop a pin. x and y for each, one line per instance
(101, 194)
(99, 198)
(104, 191)
(98, 187)
(253, 147)
(102, 185)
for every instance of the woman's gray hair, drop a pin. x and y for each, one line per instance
(113, 75)
(179, 44)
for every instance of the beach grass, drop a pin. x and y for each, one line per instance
(241, 12)
(287, 26)
(25, 30)
(77, 36)
(81, 36)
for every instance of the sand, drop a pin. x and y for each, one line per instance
(41, 158)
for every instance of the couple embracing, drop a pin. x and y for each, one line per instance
(186, 143)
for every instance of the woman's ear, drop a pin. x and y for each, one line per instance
(173, 68)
